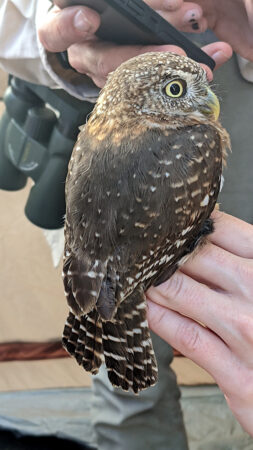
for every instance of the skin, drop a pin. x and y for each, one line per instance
(231, 24)
(214, 288)
(96, 58)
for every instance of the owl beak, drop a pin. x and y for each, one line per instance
(212, 105)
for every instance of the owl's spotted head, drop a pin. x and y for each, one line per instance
(159, 85)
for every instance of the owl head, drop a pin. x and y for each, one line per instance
(159, 85)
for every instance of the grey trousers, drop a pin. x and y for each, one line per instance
(151, 420)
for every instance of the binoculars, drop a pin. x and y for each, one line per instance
(37, 133)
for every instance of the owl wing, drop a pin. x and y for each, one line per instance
(133, 204)
(174, 183)
(134, 210)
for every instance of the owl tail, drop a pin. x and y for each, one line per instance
(82, 338)
(124, 343)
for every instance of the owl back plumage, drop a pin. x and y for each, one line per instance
(139, 195)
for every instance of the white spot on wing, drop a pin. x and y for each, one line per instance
(221, 182)
(205, 201)
(180, 242)
(194, 193)
(93, 293)
(139, 225)
(92, 274)
(191, 180)
(130, 280)
(166, 162)
(186, 230)
(177, 185)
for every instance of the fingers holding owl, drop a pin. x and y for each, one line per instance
(206, 312)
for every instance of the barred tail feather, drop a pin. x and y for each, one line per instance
(93, 351)
(70, 333)
(115, 353)
(131, 364)
(82, 338)
(123, 342)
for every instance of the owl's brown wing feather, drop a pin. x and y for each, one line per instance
(82, 280)
(134, 209)
(174, 178)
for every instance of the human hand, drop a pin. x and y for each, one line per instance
(205, 311)
(74, 28)
(231, 21)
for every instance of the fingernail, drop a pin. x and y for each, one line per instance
(219, 57)
(166, 4)
(80, 22)
(191, 15)
(170, 5)
(195, 26)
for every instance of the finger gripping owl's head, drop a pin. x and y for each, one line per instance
(158, 85)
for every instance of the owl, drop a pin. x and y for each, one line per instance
(143, 180)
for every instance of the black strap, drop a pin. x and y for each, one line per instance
(64, 60)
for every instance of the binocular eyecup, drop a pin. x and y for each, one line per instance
(37, 133)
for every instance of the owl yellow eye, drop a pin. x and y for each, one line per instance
(175, 88)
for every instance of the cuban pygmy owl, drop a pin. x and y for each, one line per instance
(143, 180)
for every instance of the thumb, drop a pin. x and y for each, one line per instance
(221, 52)
(249, 10)
(68, 26)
